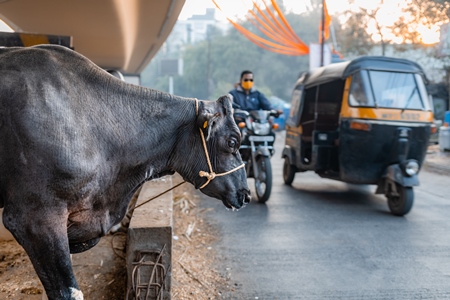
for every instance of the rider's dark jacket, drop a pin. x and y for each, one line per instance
(253, 101)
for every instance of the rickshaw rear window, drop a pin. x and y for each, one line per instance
(398, 90)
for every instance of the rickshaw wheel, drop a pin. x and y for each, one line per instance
(263, 183)
(288, 171)
(401, 203)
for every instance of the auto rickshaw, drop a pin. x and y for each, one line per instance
(364, 121)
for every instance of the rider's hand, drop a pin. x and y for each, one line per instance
(279, 112)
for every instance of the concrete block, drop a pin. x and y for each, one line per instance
(149, 241)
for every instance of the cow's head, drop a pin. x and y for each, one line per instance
(224, 177)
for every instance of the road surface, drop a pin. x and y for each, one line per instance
(323, 239)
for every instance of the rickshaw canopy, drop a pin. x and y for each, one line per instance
(344, 69)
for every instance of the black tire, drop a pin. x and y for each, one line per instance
(289, 171)
(401, 203)
(263, 183)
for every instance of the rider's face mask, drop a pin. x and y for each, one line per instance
(247, 83)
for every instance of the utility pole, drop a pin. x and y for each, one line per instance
(322, 34)
(208, 62)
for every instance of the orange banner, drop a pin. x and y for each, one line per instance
(270, 21)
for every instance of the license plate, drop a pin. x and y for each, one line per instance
(255, 138)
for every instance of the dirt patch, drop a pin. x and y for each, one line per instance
(101, 274)
(194, 276)
(101, 271)
(17, 278)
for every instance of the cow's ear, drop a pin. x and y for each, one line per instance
(207, 123)
(226, 103)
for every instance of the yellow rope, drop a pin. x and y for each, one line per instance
(206, 151)
(160, 194)
(211, 175)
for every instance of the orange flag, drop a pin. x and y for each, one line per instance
(326, 22)
(272, 23)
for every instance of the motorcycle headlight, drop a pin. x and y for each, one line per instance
(261, 129)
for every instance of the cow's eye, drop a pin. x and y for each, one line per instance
(231, 143)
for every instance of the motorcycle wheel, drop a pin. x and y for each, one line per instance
(263, 183)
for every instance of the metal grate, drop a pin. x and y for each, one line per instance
(148, 276)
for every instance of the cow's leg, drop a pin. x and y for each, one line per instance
(44, 238)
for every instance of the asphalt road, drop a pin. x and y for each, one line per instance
(323, 239)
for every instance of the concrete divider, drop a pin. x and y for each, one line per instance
(149, 243)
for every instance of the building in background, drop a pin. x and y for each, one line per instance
(192, 31)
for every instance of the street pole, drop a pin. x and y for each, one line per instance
(322, 34)
(170, 84)
(208, 62)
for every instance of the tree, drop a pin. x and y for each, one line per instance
(373, 16)
(361, 28)
(420, 13)
(354, 31)
(229, 54)
(353, 38)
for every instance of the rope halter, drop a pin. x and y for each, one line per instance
(210, 175)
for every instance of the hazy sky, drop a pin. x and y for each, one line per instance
(199, 6)
(3, 27)
(387, 15)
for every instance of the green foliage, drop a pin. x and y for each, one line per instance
(222, 88)
(213, 66)
(426, 12)
(353, 36)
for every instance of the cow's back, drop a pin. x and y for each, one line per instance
(50, 118)
(31, 75)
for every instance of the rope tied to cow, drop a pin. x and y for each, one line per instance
(211, 174)
(208, 175)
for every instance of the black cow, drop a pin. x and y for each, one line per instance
(76, 142)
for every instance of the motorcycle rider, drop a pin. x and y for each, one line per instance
(246, 97)
(256, 157)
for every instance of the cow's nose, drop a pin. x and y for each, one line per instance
(247, 197)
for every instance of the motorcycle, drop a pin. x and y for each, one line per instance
(257, 147)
